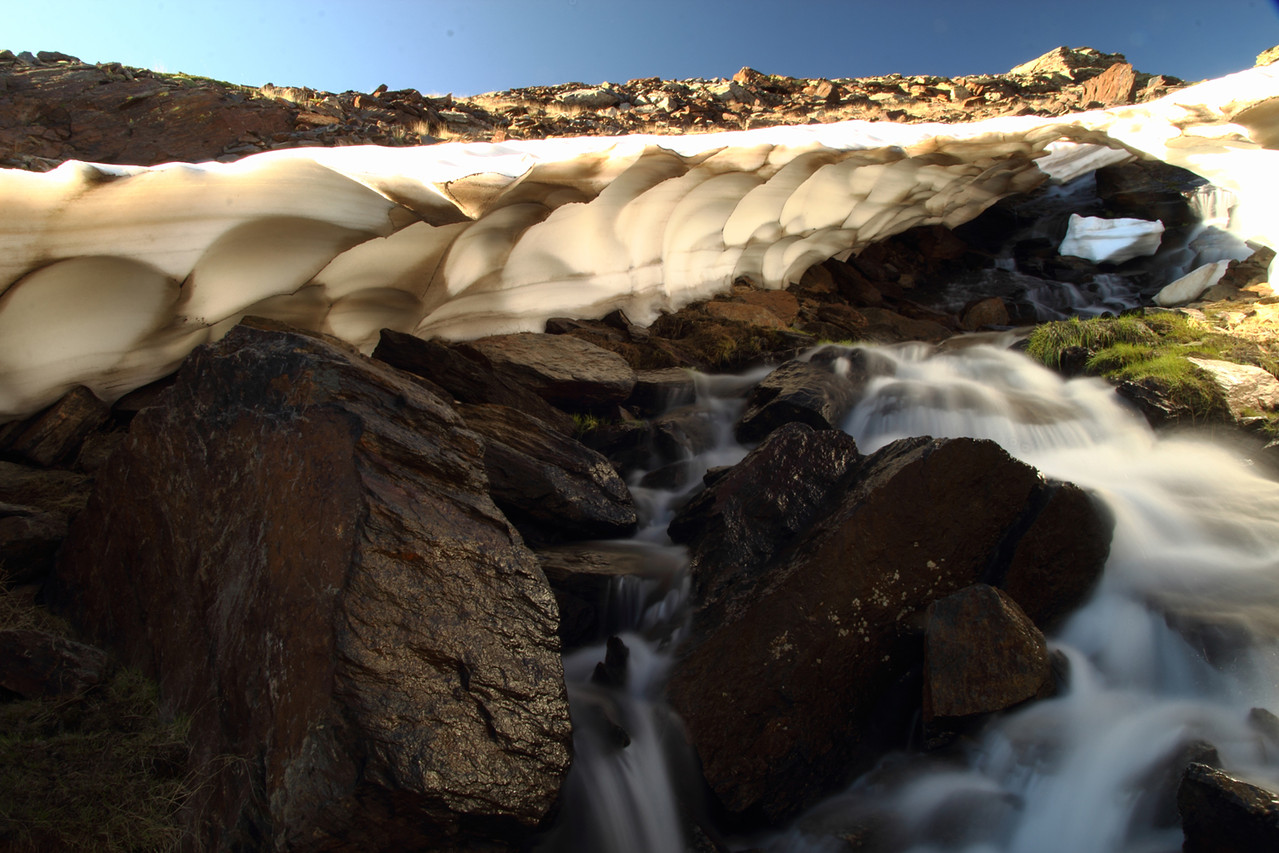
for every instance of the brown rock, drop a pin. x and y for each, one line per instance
(981, 655)
(564, 370)
(821, 631)
(29, 539)
(1222, 814)
(740, 312)
(550, 486)
(810, 392)
(301, 548)
(39, 665)
(782, 304)
(54, 436)
(466, 375)
(1116, 85)
(986, 312)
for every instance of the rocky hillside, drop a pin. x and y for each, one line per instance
(53, 107)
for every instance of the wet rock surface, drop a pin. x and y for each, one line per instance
(300, 546)
(829, 628)
(1222, 814)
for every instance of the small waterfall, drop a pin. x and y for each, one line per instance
(1172, 653)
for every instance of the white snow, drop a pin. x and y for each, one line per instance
(109, 275)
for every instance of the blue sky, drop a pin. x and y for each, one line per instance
(471, 46)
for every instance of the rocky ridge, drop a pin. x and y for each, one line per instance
(53, 107)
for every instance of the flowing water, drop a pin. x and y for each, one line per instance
(1176, 647)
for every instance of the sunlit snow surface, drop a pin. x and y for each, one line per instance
(110, 275)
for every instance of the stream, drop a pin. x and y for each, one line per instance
(1176, 646)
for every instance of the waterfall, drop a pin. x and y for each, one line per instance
(1173, 651)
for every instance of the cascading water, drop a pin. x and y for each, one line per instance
(1173, 651)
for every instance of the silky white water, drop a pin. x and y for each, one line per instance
(1177, 645)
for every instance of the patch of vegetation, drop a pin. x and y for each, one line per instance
(1151, 347)
(101, 772)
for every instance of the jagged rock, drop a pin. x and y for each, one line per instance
(591, 99)
(1268, 57)
(1073, 64)
(735, 526)
(1161, 407)
(300, 547)
(808, 392)
(1148, 190)
(1116, 85)
(562, 369)
(466, 375)
(550, 486)
(1247, 390)
(784, 693)
(55, 435)
(40, 665)
(60, 492)
(982, 654)
(1222, 814)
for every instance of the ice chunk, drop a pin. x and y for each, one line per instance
(1190, 286)
(1111, 241)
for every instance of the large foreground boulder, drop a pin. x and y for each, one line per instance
(806, 667)
(299, 544)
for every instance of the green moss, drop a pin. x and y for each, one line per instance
(1152, 347)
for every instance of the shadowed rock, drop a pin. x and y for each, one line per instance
(301, 548)
(1222, 814)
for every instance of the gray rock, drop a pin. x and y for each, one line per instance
(564, 370)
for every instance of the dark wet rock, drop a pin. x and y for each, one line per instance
(301, 548)
(1266, 723)
(738, 523)
(1156, 805)
(982, 654)
(1163, 407)
(54, 436)
(1058, 561)
(587, 580)
(819, 395)
(1148, 189)
(611, 672)
(550, 486)
(40, 665)
(29, 539)
(64, 492)
(783, 680)
(658, 391)
(1222, 814)
(564, 370)
(683, 433)
(466, 375)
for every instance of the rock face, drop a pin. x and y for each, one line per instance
(561, 368)
(804, 676)
(551, 486)
(300, 546)
(1221, 814)
(981, 654)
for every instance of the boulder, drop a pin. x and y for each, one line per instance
(818, 394)
(737, 524)
(40, 665)
(300, 547)
(466, 375)
(794, 679)
(1116, 85)
(54, 436)
(1247, 390)
(985, 312)
(743, 312)
(1222, 814)
(1073, 64)
(657, 391)
(550, 486)
(564, 370)
(982, 654)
